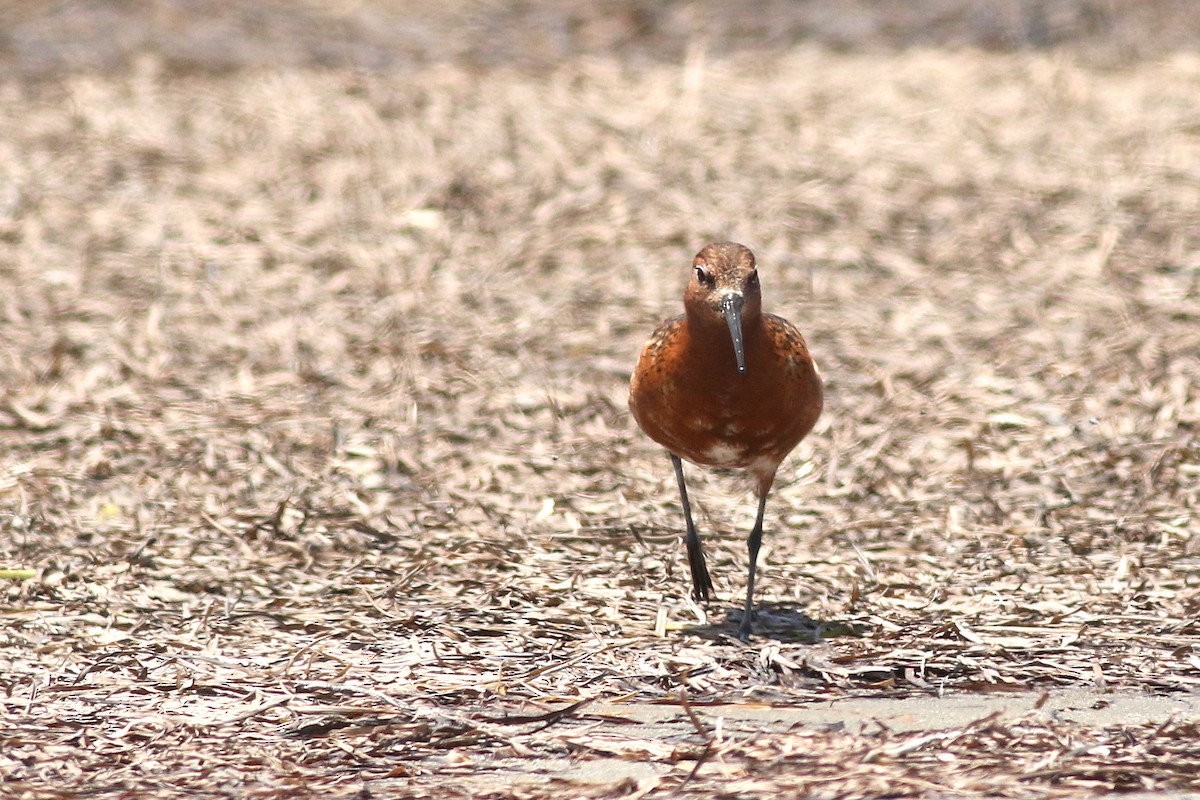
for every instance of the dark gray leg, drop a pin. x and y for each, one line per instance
(753, 543)
(702, 586)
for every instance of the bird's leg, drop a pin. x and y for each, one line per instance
(702, 585)
(753, 543)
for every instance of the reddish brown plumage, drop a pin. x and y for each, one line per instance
(688, 393)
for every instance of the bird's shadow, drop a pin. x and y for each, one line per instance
(781, 621)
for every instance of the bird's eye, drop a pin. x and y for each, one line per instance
(702, 275)
(753, 279)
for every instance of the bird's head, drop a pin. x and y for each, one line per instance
(724, 290)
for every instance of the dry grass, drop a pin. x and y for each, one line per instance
(314, 425)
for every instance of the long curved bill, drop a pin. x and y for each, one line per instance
(731, 307)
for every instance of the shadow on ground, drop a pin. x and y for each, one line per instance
(778, 621)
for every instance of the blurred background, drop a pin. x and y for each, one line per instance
(41, 39)
(316, 322)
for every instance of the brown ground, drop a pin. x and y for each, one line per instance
(317, 320)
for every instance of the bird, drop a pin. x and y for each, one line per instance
(726, 385)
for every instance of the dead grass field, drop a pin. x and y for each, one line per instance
(313, 413)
